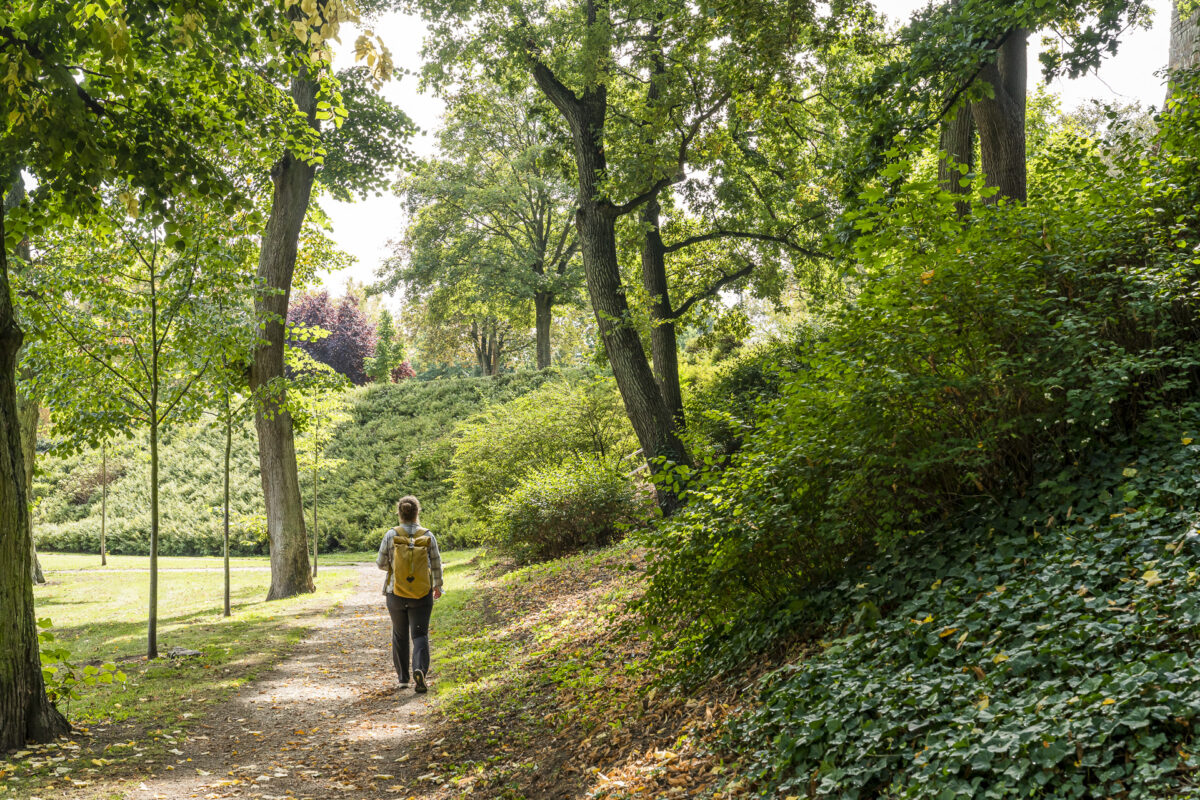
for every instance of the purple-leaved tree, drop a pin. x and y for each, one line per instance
(352, 336)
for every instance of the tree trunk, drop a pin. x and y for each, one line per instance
(595, 221)
(293, 180)
(27, 417)
(1185, 39)
(225, 499)
(497, 348)
(1001, 119)
(27, 407)
(664, 349)
(958, 143)
(316, 455)
(543, 306)
(103, 503)
(152, 626)
(25, 711)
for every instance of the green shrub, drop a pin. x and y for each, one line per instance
(724, 408)
(580, 503)
(977, 358)
(556, 424)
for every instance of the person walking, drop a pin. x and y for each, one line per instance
(410, 555)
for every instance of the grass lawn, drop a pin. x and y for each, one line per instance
(102, 618)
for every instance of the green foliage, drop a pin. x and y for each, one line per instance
(974, 358)
(63, 678)
(66, 493)
(1041, 651)
(558, 423)
(389, 352)
(396, 442)
(361, 153)
(554, 510)
(725, 406)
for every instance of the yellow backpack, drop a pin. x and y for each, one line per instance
(410, 563)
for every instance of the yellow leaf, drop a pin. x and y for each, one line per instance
(946, 633)
(1151, 577)
(1187, 440)
(1108, 701)
(983, 703)
(1000, 657)
(926, 277)
(1129, 472)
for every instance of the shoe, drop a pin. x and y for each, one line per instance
(419, 682)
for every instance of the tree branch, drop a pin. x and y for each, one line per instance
(710, 291)
(761, 237)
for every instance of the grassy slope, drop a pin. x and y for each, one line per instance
(544, 696)
(395, 442)
(1044, 650)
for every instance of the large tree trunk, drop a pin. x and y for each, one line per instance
(25, 711)
(664, 348)
(595, 221)
(1001, 118)
(27, 407)
(293, 180)
(543, 307)
(958, 143)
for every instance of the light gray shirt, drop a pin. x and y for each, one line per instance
(384, 561)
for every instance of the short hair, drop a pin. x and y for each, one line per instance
(409, 508)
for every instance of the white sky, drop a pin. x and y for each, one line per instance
(363, 229)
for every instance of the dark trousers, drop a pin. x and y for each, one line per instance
(410, 618)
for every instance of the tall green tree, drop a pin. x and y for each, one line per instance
(354, 157)
(129, 327)
(964, 62)
(594, 61)
(464, 323)
(389, 352)
(146, 92)
(496, 207)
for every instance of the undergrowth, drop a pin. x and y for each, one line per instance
(1046, 650)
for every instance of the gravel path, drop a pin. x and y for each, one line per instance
(329, 722)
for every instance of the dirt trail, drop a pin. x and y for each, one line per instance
(328, 722)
